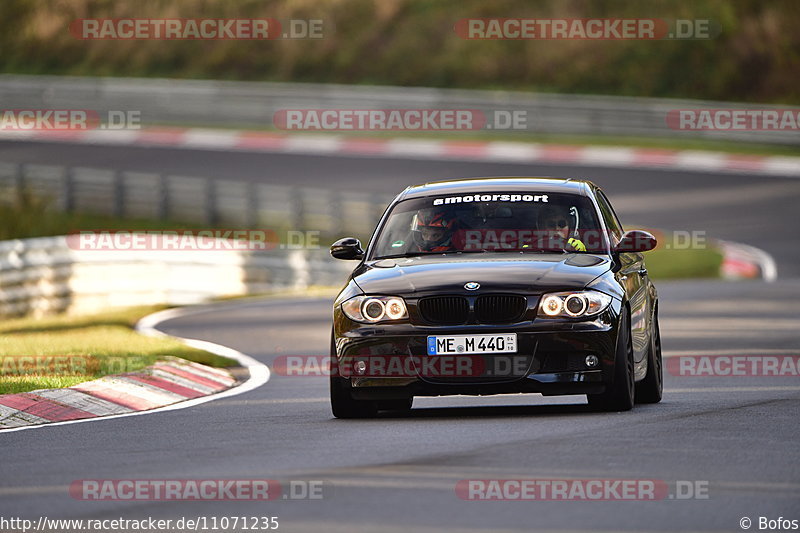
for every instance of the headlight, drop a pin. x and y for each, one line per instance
(576, 304)
(373, 309)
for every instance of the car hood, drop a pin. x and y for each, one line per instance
(521, 273)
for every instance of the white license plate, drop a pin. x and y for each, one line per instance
(472, 344)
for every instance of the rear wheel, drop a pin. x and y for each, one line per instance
(619, 396)
(649, 390)
(342, 403)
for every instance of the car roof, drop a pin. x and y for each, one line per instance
(498, 184)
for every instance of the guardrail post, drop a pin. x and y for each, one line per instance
(19, 182)
(298, 211)
(336, 213)
(163, 196)
(119, 194)
(69, 189)
(211, 202)
(378, 207)
(253, 205)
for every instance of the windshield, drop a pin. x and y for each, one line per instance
(491, 222)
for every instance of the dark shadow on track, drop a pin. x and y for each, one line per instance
(496, 411)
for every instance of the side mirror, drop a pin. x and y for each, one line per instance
(636, 241)
(347, 248)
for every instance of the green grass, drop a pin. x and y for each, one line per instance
(83, 348)
(663, 264)
(30, 216)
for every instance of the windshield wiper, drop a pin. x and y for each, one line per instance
(408, 254)
(481, 251)
(417, 254)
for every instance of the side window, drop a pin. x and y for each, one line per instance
(609, 216)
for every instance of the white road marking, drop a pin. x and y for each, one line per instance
(735, 306)
(729, 323)
(314, 144)
(275, 401)
(733, 351)
(729, 334)
(212, 139)
(506, 151)
(414, 148)
(734, 389)
(608, 155)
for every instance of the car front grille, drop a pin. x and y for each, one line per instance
(445, 310)
(499, 309)
(489, 309)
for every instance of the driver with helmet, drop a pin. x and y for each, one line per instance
(433, 231)
(553, 223)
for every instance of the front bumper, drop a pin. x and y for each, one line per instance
(390, 361)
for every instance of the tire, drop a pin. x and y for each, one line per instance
(619, 396)
(650, 389)
(342, 403)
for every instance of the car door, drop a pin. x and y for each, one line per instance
(632, 275)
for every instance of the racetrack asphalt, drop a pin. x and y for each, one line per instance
(736, 435)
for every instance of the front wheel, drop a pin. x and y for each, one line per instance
(342, 403)
(344, 406)
(619, 396)
(650, 389)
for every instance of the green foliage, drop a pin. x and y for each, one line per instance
(29, 216)
(755, 57)
(678, 264)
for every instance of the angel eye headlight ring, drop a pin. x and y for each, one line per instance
(372, 309)
(573, 304)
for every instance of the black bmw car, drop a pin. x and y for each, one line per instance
(495, 286)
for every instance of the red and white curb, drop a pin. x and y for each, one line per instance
(742, 261)
(169, 384)
(163, 383)
(515, 152)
